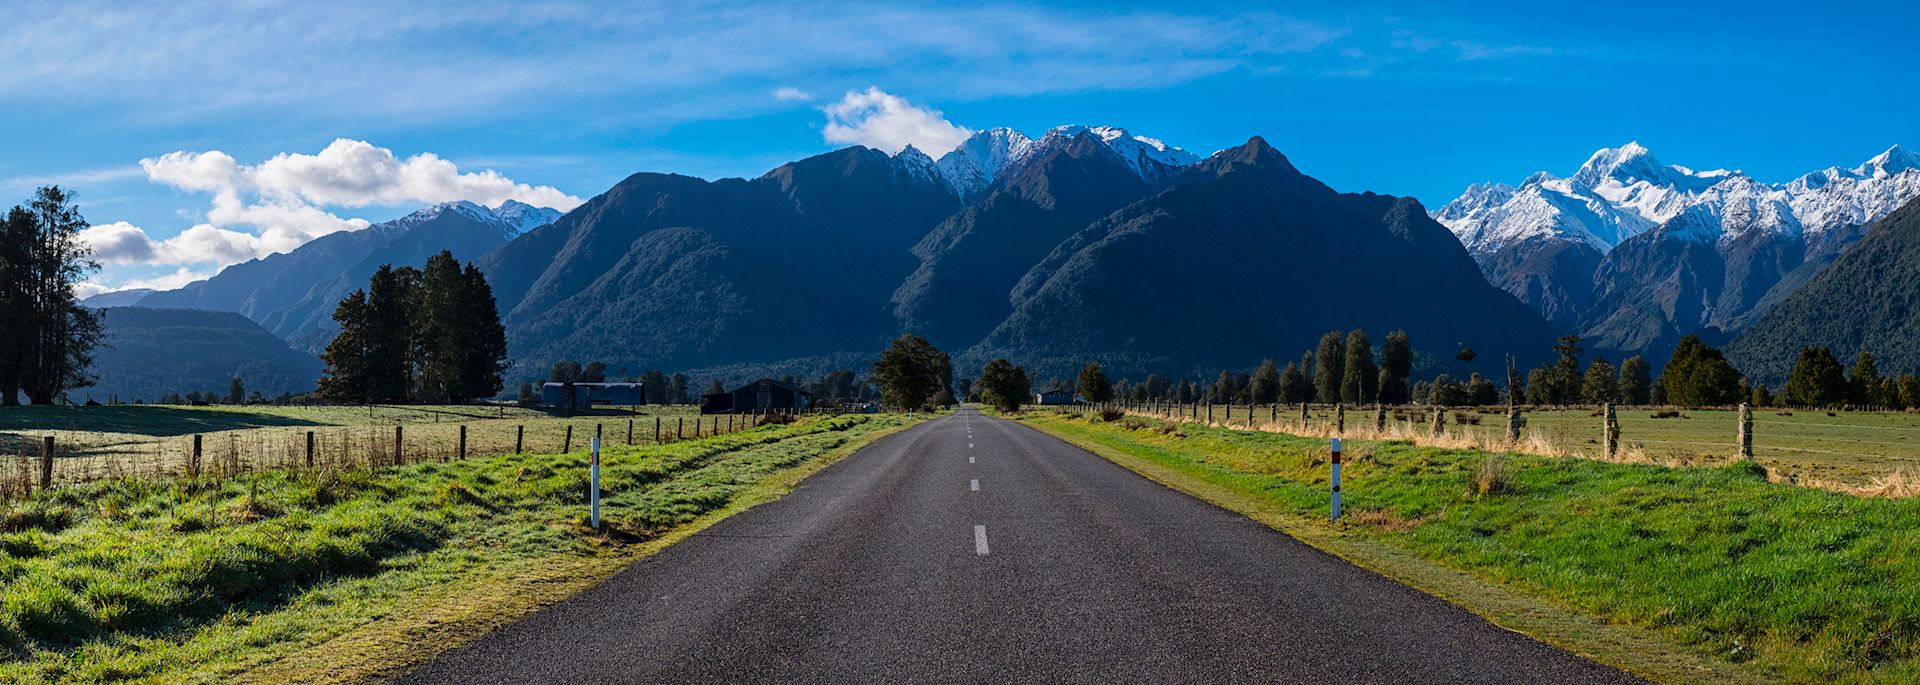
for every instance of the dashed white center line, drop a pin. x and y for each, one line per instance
(975, 485)
(969, 460)
(980, 540)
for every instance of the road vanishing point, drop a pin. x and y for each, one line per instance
(972, 549)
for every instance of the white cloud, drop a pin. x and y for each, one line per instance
(281, 203)
(791, 94)
(168, 281)
(884, 121)
(123, 243)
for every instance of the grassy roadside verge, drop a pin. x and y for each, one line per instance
(1679, 575)
(354, 575)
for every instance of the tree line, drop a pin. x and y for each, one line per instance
(417, 335)
(50, 337)
(658, 387)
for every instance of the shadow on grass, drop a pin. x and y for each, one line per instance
(140, 420)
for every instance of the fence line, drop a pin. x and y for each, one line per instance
(239, 451)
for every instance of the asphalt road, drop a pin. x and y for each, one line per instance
(972, 549)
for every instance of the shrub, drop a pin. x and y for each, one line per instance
(1111, 415)
(1492, 477)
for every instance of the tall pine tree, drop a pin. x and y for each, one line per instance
(1361, 379)
(1330, 367)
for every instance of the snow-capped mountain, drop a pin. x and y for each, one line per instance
(990, 155)
(1634, 252)
(1617, 194)
(524, 217)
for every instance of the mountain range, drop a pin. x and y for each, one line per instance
(1091, 243)
(1634, 253)
(148, 353)
(293, 294)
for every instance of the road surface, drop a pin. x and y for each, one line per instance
(973, 549)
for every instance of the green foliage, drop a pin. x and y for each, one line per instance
(1863, 383)
(1264, 386)
(1396, 367)
(1293, 386)
(430, 335)
(1601, 385)
(1004, 386)
(1330, 370)
(1636, 381)
(50, 337)
(1093, 384)
(1816, 380)
(1361, 379)
(1698, 376)
(911, 371)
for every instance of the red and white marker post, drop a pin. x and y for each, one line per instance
(1336, 480)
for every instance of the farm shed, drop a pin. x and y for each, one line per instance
(589, 394)
(1052, 398)
(758, 396)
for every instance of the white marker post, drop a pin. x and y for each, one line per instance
(1336, 480)
(593, 490)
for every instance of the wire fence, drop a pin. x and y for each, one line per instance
(1854, 451)
(53, 458)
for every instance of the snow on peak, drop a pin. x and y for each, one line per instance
(524, 217)
(918, 165)
(1621, 192)
(989, 155)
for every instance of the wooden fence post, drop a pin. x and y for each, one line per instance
(1439, 420)
(1380, 417)
(1304, 414)
(463, 441)
(1339, 418)
(193, 463)
(629, 431)
(1746, 431)
(1513, 423)
(398, 457)
(596, 431)
(566, 445)
(680, 429)
(519, 439)
(1273, 412)
(46, 463)
(656, 430)
(1609, 431)
(1209, 413)
(309, 449)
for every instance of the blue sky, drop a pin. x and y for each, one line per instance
(195, 131)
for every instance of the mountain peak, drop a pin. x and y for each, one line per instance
(1895, 160)
(989, 155)
(1254, 153)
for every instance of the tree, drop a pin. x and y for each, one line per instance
(1540, 386)
(594, 372)
(1480, 391)
(1466, 355)
(1564, 381)
(1158, 387)
(346, 375)
(1761, 396)
(1003, 386)
(1864, 381)
(50, 337)
(1263, 387)
(1909, 388)
(1698, 375)
(718, 388)
(567, 372)
(680, 389)
(1447, 392)
(1361, 380)
(1329, 372)
(1816, 380)
(527, 396)
(1601, 385)
(1093, 384)
(657, 388)
(236, 391)
(1396, 366)
(1636, 381)
(910, 371)
(1293, 386)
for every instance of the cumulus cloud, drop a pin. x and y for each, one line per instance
(883, 121)
(282, 202)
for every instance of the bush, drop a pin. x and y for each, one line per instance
(1492, 477)
(1111, 415)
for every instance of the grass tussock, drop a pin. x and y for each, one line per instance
(1718, 561)
(198, 579)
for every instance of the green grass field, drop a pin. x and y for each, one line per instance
(1772, 580)
(1841, 448)
(154, 440)
(325, 573)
